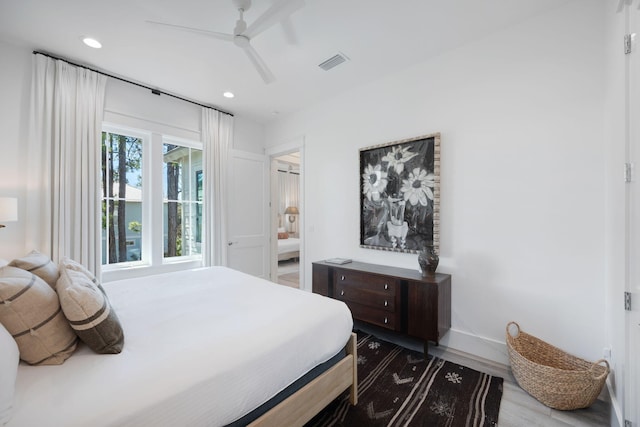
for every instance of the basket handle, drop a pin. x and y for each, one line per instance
(605, 373)
(518, 329)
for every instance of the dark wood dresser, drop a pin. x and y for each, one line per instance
(397, 299)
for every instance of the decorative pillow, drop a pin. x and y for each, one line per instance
(30, 311)
(40, 265)
(87, 308)
(9, 358)
(284, 235)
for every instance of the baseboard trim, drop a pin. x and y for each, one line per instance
(616, 418)
(474, 345)
(469, 345)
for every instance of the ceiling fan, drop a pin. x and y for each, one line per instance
(242, 34)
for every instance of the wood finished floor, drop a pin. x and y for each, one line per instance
(289, 273)
(517, 408)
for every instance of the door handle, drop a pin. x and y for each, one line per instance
(232, 243)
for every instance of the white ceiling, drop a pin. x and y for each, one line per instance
(379, 37)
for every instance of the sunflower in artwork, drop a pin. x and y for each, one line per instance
(374, 181)
(418, 188)
(397, 158)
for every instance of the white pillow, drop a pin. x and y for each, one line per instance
(9, 358)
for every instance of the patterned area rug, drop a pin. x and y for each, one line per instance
(398, 387)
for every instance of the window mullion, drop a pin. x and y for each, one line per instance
(155, 203)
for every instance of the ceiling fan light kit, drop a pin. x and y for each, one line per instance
(243, 33)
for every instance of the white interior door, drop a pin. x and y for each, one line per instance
(248, 213)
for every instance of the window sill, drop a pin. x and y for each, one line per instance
(129, 272)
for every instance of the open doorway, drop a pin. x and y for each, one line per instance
(286, 208)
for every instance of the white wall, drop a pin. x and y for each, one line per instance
(522, 230)
(248, 135)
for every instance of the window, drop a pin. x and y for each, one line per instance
(121, 198)
(152, 196)
(182, 170)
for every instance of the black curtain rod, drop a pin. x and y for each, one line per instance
(153, 90)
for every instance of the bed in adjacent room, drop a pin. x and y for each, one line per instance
(288, 247)
(209, 346)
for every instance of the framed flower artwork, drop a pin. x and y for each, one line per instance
(400, 195)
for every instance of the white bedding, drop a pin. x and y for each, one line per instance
(288, 245)
(202, 347)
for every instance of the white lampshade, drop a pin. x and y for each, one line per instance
(292, 210)
(8, 209)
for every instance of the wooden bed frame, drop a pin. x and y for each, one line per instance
(288, 255)
(308, 401)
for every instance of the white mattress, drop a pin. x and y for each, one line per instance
(288, 245)
(202, 347)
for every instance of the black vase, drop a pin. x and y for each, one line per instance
(428, 260)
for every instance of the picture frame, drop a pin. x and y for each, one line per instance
(400, 195)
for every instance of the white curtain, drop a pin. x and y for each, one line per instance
(64, 214)
(289, 184)
(289, 188)
(217, 134)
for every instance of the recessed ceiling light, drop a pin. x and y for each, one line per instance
(228, 95)
(92, 42)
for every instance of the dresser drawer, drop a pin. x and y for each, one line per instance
(381, 300)
(375, 316)
(370, 282)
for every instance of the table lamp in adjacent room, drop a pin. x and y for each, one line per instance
(292, 211)
(8, 210)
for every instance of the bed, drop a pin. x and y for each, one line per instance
(202, 347)
(288, 248)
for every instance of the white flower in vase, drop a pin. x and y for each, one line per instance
(418, 188)
(397, 157)
(374, 182)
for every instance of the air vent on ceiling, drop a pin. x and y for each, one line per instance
(334, 61)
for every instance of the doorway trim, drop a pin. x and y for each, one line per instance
(295, 145)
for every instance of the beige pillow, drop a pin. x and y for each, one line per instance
(87, 308)
(40, 265)
(30, 311)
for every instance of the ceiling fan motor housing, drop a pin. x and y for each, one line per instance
(243, 5)
(241, 41)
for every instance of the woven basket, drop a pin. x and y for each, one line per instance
(552, 376)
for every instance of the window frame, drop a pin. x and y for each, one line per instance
(152, 235)
(168, 139)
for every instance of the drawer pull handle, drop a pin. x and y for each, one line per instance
(386, 303)
(342, 278)
(342, 292)
(386, 286)
(386, 320)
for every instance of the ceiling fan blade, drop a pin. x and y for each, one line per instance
(213, 34)
(276, 13)
(260, 65)
(289, 31)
